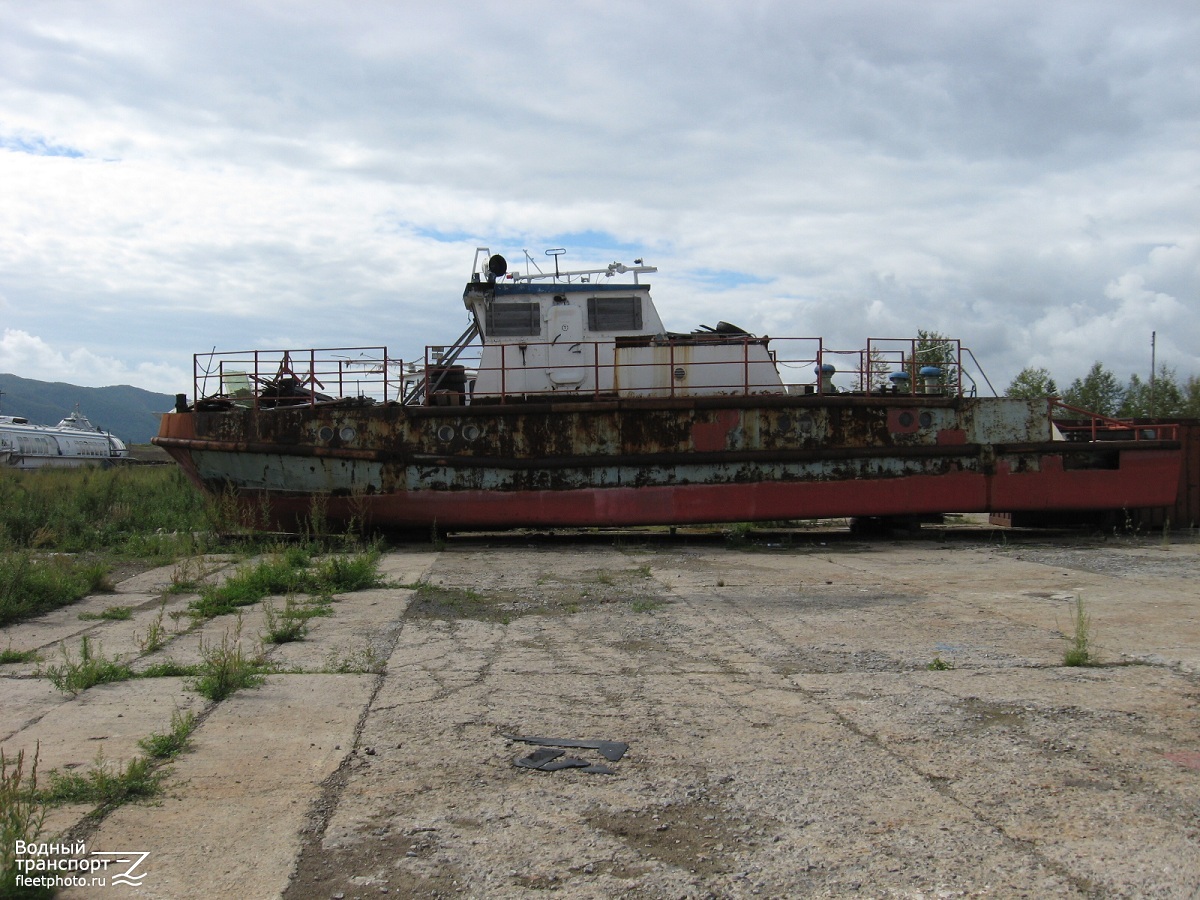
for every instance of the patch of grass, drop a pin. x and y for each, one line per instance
(173, 742)
(9, 655)
(1080, 651)
(90, 669)
(276, 574)
(286, 571)
(226, 669)
(112, 614)
(940, 665)
(32, 584)
(343, 573)
(104, 785)
(22, 815)
(169, 669)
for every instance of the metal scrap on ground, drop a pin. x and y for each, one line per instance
(547, 758)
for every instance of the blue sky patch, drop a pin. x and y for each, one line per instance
(37, 146)
(444, 237)
(727, 278)
(583, 246)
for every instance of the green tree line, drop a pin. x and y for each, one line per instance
(1100, 392)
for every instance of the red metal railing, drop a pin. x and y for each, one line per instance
(1097, 427)
(795, 362)
(653, 368)
(293, 377)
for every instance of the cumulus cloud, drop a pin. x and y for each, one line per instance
(21, 353)
(197, 174)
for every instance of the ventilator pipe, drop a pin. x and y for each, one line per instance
(825, 373)
(931, 378)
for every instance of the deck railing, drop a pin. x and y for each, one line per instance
(295, 377)
(1079, 424)
(791, 365)
(669, 368)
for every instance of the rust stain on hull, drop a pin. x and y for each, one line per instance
(659, 462)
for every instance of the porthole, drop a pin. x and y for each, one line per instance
(325, 434)
(471, 432)
(926, 420)
(905, 419)
(347, 434)
(445, 433)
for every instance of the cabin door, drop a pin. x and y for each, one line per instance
(569, 360)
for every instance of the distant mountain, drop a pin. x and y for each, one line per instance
(128, 412)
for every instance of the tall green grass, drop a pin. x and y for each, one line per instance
(135, 510)
(31, 584)
(61, 529)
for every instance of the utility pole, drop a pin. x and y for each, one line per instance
(1153, 337)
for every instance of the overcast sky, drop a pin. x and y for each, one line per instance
(179, 176)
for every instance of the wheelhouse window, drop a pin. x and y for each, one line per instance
(614, 313)
(513, 320)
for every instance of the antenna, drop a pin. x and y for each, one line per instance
(556, 253)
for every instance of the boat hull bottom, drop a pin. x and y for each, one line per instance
(1143, 479)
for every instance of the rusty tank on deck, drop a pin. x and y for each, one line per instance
(566, 402)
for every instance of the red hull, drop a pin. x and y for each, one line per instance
(1144, 479)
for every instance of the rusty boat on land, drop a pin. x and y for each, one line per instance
(567, 403)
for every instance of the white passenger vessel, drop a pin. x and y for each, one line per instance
(74, 441)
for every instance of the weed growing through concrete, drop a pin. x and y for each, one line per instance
(226, 669)
(340, 573)
(286, 626)
(22, 815)
(1079, 643)
(156, 633)
(112, 614)
(104, 785)
(170, 669)
(9, 655)
(288, 570)
(90, 669)
(278, 573)
(187, 577)
(175, 741)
